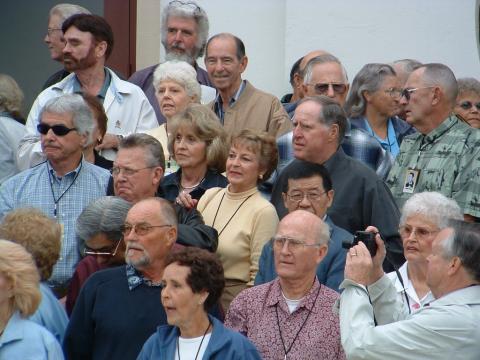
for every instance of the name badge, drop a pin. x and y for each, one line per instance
(411, 179)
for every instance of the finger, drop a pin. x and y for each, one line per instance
(372, 228)
(361, 249)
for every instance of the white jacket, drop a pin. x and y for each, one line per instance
(126, 106)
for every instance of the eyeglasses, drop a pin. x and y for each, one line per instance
(322, 88)
(394, 92)
(188, 5)
(51, 30)
(467, 105)
(420, 233)
(299, 196)
(407, 92)
(292, 244)
(140, 228)
(115, 171)
(59, 130)
(94, 252)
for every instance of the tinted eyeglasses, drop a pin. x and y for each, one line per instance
(102, 252)
(322, 88)
(408, 92)
(467, 105)
(59, 130)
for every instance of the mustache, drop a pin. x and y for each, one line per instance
(134, 246)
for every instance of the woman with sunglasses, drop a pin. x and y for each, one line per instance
(468, 101)
(373, 103)
(100, 238)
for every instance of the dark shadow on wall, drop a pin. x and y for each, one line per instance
(23, 54)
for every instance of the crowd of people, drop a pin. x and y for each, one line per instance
(186, 214)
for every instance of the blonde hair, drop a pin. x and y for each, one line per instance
(39, 234)
(11, 96)
(206, 126)
(17, 266)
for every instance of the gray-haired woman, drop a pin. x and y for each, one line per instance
(99, 233)
(468, 101)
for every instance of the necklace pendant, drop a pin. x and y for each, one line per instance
(285, 357)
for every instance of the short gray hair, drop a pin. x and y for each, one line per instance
(321, 59)
(408, 65)
(464, 243)
(64, 11)
(106, 215)
(370, 78)
(468, 85)
(74, 105)
(189, 10)
(182, 73)
(434, 206)
(322, 232)
(152, 148)
(331, 113)
(440, 75)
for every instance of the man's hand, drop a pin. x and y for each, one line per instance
(109, 142)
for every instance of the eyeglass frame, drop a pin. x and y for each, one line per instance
(307, 195)
(51, 30)
(102, 253)
(391, 92)
(417, 235)
(317, 85)
(127, 171)
(288, 240)
(407, 92)
(127, 228)
(55, 128)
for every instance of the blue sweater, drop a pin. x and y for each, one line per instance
(224, 344)
(329, 271)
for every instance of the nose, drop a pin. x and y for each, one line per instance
(219, 65)
(46, 39)
(66, 49)
(304, 203)
(178, 36)
(403, 100)
(285, 249)
(330, 92)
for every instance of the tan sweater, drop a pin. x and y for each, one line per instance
(240, 241)
(256, 110)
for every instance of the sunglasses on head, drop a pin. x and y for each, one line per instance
(467, 105)
(59, 130)
(322, 88)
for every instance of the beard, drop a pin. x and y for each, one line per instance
(71, 64)
(177, 52)
(143, 261)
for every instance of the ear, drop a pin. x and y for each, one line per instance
(304, 89)
(84, 140)
(297, 80)
(437, 95)
(330, 194)
(243, 63)
(367, 96)
(321, 253)
(284, 197)
(157, 175)
(171, 236)
(333, 133)
(101, 49)
(454, 266)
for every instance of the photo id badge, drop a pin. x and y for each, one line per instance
(411, 178)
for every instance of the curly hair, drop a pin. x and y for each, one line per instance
(37, 233)
(206, 272)
(18, 268)
(205, 125)
(263, 145)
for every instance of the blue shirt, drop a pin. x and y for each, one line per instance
(390, 143)
(218, 104)
(33, 188)
(51, 314)
(24, 339)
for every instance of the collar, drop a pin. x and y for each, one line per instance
(276, 297)
(13, 331)
(72, 173)
(77, 86)
(440, 130)
(218, 105)
(135, 278)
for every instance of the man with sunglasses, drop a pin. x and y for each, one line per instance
(309, 187)
(119, 308)
(184, 33)
(88, 44)
(444, 155)
(292, 316)
(63, 185)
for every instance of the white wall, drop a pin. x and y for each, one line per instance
(277, 32)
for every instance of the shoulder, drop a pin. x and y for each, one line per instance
(124, 86)
(96, 170)
(253, 295)
(141, 75)
(259, 95)
(106, 277)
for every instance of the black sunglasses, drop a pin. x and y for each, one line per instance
(322, 88)
(467, 105)
(59, 130)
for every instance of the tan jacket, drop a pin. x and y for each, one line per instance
(256, 110)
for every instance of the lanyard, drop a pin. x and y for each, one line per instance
(56, 200)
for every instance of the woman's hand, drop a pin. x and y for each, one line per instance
(186, 200)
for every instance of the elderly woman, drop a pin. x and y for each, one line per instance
(99, 232)
(423, 216)
(176, 86)
(12, 129)
(192, 283)
(40, 236)
(19, 298)
(468, 101)
(198, 143)
(373, 103)
(245, 221)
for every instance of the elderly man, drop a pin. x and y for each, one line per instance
(89, 42)
(292, 317)
(446, 329)
(184, 33)
(309, 188)
(238, 104)
(137, 172)
(361, 197)
(444, 155)
(63, 185)
(54, 38)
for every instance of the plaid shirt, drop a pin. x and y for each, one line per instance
(449, 162)
(33, 188)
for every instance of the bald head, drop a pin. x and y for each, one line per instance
(309, 56)
(306, 225)
(298, 77)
